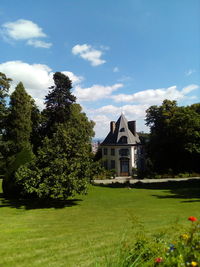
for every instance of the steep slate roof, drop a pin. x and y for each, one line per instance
(114, 138)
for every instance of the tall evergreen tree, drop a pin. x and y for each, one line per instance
(35, 138)
(17, 136)
(4, 88)
(19, 124)
(58, 103)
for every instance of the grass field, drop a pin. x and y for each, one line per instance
(83, 231)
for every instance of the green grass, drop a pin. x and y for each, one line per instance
(85, 230)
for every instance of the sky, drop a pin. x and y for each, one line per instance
(122, 56)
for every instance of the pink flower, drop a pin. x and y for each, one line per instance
(192, 219)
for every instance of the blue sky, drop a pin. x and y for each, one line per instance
(122, 56)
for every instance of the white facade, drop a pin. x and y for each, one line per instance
(113, 157)
(121, 148)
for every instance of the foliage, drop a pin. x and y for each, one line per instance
(62, 167)
(60, 138)
(19, 124)
(185, 250)
(10, 187)
(4, 88)
(100, 172)
(17, 147)
(174, 143)
(58, 103)
(36, 119)
(170, 247)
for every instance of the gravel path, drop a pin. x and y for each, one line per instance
(122, 180)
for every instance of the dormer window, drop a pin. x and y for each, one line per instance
(122, 130)
(123, 140)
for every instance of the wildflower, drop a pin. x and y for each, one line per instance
(192, 219)
(185, 236)
(171, 247)
(159, 260)
(194, 263)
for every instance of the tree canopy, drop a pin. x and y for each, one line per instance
(62, 166)
(57, 103)
(174, 143)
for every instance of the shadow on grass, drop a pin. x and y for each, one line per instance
(188, 195)
(29, 204)
(188, 190)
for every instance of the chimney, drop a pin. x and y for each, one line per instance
(132, 126)
(112, 126)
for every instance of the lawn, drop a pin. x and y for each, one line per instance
(83, 231)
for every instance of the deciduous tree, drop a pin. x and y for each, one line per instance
(63, 165)
(174, 144)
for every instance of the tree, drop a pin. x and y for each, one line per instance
(174, 144)
(186, 129)
(4, 88)
(36, 119)
(63, 164)
(58, 103)
(19, 124)
(17, 136)
(161, 141)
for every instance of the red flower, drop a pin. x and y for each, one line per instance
(192, 219)
(159, 260)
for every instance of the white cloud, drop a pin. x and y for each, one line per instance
(87, 52)
(95, 92)
(101, 127)
(74, 78)
(137, 111)
(189, 88)
(129, 110)
(189, 72)
(24, 30)
(39, 43)
(115, 69)
(37, 78)
(155, 96)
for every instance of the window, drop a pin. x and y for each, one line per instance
(105, 151)
(112, 152)
(105, 164)
(124, 152)
(123, 140)
(112, 164)
(122, 130)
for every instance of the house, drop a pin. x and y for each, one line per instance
(122, 149)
